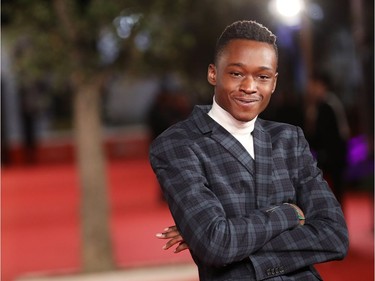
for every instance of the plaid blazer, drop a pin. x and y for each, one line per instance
(230, 208)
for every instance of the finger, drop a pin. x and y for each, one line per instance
(170, 232)
(170, 228)
(167, 230)
(161, 235)
(172, 242)
(168, 235)
(181, 247)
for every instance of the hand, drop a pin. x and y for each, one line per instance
(174, 237)
(300, 213)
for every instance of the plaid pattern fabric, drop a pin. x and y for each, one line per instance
(230, 209)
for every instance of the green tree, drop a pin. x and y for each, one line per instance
(60, 38)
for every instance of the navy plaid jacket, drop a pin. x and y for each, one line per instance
(230, 208)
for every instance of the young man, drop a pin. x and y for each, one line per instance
(245, 193)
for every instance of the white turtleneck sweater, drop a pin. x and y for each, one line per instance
(240, 130)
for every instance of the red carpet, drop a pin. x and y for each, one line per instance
(40, 223)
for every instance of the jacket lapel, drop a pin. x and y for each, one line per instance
(263, 165)
(234, 147)
(208, 126)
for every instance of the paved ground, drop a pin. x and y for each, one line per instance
(182, 272)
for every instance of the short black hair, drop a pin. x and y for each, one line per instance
(245, 29)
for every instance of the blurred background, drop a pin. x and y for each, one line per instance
(87, 84)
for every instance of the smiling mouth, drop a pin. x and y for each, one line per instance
(247, 101)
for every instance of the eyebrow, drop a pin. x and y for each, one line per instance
(236, 64)
(239, 64)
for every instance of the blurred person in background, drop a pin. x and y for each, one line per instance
(246, 194)
(326, 129)
(170, 106)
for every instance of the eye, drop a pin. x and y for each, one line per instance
(235, 74)
(264, 77)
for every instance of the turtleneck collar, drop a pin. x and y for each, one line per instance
(226, 120)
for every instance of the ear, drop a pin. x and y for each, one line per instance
(211, 74)
(275, 82)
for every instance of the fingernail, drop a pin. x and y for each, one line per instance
(164, 247)
(160, 235)
(166, 229)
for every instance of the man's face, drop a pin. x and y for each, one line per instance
(244, 78)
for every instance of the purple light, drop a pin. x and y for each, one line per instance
(357, 150)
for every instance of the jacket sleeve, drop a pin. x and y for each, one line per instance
(324, 236)
(213, 238)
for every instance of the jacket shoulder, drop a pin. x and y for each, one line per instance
(276, 129)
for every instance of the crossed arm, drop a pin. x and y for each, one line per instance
(174, 237)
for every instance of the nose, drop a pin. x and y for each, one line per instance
(248, 85)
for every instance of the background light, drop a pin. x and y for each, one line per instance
(287, 10)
